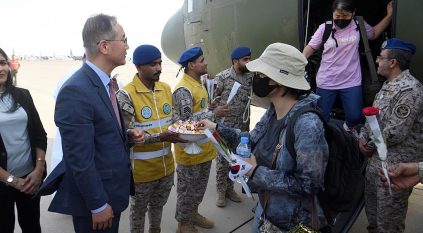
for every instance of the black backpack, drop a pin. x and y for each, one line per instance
(343, 175)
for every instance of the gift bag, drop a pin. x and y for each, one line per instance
(300, 228)
(268, 227)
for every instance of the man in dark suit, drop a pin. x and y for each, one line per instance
(96, 184)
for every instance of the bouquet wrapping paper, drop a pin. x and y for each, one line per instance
(238, 166)
(234, 90)
(371, 114)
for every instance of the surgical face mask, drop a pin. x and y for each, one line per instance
(342, 23)
(261, 87)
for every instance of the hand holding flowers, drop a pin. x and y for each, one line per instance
(239, 167)
(371, 114)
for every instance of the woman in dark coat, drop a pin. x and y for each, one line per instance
(23, 144)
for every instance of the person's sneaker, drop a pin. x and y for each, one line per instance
(221, 199)
(187, 228)
(233, 196)
(351, 130)
(201, 221)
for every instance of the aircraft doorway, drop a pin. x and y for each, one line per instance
(315, 12)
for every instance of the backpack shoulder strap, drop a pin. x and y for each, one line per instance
(326, 33)
(290, 136)
(367, 50)
(273, 166)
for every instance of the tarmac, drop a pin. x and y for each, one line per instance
(41, 77)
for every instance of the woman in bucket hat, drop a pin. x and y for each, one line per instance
(291, 185)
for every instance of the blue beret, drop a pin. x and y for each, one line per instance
(395, 43)
(240, 52)
(190, 55)
(145, 54)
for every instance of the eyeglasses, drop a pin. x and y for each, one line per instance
(124, 40)
(3, 62)
(380, 58)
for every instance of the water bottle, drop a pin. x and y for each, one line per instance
(243, 150)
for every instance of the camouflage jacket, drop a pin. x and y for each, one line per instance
(183, 107)
(293, 183)
(401, 119)
(240, 104)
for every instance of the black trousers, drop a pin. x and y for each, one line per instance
(28, 210)
(85, 225)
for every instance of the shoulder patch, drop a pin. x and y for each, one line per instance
(402, 111)
(182, 89)
(406, 86)
(128, 108)
(227, 73)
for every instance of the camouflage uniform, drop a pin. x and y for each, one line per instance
(151, 196)
(183, 109)
(151, 193)
(189, 195)
(401, 120)
(192, 178)
(238, 117)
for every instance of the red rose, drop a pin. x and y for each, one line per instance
(216, 136)
(370, 111)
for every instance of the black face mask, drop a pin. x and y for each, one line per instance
(342, 23)
(261, 87)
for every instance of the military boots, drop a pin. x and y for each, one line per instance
(233, 196)
(201, 221)
(154, 230)
(221, 199)
(186, 227)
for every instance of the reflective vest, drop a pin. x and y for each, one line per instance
(153, 114)
(200, 102)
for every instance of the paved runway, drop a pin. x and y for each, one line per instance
(40, 77)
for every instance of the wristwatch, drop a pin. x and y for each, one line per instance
(10, 180)
(421, 171)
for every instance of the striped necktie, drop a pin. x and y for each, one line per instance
(113, 87)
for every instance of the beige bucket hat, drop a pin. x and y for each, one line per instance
(282, 63)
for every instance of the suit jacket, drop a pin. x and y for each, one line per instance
(36, 133)
(95, 151)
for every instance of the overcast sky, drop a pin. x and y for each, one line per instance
(54, 27)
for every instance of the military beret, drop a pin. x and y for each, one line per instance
(240, 52)
(145, 54)
(190, 55)
(395, 43)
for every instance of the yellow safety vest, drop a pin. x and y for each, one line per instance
(153, 114)
(200, 96)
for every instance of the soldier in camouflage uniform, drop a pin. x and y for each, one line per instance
(401, 120)
(190, 100)
(237, 118)
(146, 104)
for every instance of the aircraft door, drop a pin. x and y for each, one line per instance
(193, 22)
(407, 19)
